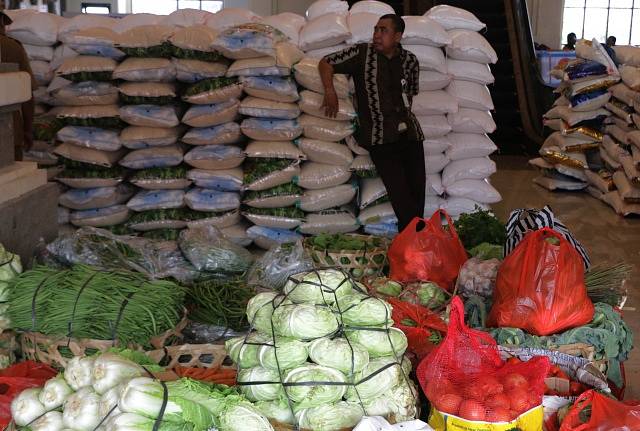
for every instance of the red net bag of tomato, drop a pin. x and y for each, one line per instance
(607, 414)
(540, 287)
(425, 251)
(469, 385)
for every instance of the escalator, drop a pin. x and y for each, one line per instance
(519, 95)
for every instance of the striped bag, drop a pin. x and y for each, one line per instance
(522, 221)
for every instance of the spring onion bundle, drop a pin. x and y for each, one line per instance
(221, 302)
(607, 284)
(85, 302)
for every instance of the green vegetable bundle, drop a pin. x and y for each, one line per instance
(209, 250)
(480, 227)
(164, 50)
(282, 190)
(173, 173)
(85, 302)
(182, 214)
(368, 173)
(210, 84)
(255, 169)
(45, 128)
(339, 242)
(163, 234)
(288, 212)
(190, 54)
(146, 100)
(221, 302)
(103, 122)
(103, 76)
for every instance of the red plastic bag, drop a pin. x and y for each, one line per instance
(16, 379)
(606, 414)
(464, 376)
(540, 287)
(426, 323)
(424, 251)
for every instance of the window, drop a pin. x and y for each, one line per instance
(600, 19)
(97, 8)
(165, 7)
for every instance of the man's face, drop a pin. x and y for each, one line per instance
(572, 39)
(385, 36)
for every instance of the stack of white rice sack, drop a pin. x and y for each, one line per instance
(453, 108)
(326, 30)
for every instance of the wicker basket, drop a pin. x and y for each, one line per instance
(9, 341)
(192, 356)
(56, 350)
(359, 263)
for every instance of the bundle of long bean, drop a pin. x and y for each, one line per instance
(221, 302)
(607, 283)
(86, 302)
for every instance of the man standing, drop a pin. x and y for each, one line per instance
(571, 42)
(386, 79)
(12, 51)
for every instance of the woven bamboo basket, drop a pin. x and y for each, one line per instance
(57, 350)
(359, 263)
(192, 356)
(9, 341)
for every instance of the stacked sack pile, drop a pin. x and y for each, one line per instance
(323, 354)
(456, 147)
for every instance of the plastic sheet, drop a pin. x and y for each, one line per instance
(275, 267)
(208, 250)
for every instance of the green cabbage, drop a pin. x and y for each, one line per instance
(243, 416)
(304, 321)
(260, 392)
(290, 354)
(260, 308)
(400, 401)
(381, 379)
(322, 286)
(278, 410)
(361, 310)
(315, 395)
(382, 342)
(348, 357)
(242, 353)
(10, 267)
(330, 417)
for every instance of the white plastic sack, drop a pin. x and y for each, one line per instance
(471, 121)
(101, 197)
(319, 54)
(85, 63)
(429, 57)
(271, 130)
(329, 223)
(231, 16)
(431, 81)
(149, 115)
(192, 71)
(263, 108)
(421, 30)
(477, 168)
(311, 103)
(187, 17)
(307, 75)
(629, 55)
(60, 54)
(274, 88)
(248, 41)
(436, 146)
(377, 8)
(434, 126)
(227, 133)
(149, 200)
(35, 52)
(315, 176)
(323, 7)
(434, 186)
(87, 93)
(274, 150)
(469, 145)
(435, 163)
(471, 95)
(30, 27)
(95, 41)
(101, 217)
(147, 89)
(371, 189)
(451, 17)
(237, 234)
(138, 138)
(458, 206)
(288, 23)
(162, 157)
(145, 36)
(90, 137)
(572, 117)
(128, 22)
(470, 46)
(477, 190)
(324, 129)
(224, 180)
(287, 55)
(382, 213)
(211, 115)
(331, 153)
(470, 71)
(630, 76)
(266, 238)
(324, 31)
(81, 22)
(272, 221)
(218, 95)
(145, 70)
(353, 146)
(591, 104)
(215, 157)
(362, 163)
(361, 27)
(211, 201)
(196, 38)
(41, 72)
(434, 103)
(323, 199)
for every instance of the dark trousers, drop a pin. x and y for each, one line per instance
(401, 167)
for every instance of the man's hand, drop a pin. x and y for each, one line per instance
(330, 103)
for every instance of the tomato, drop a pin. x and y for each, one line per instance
(490, 385)
(498, 415)
(534, 400)
(436, 388)
(474, 392)
(513, 381)
(513, 361)
(498, 401)
(519, 400)
(472, 410)
(448, 403)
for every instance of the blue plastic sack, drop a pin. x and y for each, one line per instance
(229, 180)
(199, 199)
(584, 69)
(158, 157)
(279, 89)
(388, 230)
(227, 133)
(98, 50)
(271, 130)
(147, 200)
(266, 237)
(90, 137)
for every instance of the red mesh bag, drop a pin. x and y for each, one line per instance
(17, 378)
(464, 376)
(540, 287)
(425, 251)
(426, 323)
(606, 414)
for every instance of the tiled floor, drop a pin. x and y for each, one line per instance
(607, 237)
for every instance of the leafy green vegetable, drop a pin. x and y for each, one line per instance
(387, 287)
(289, 352)
(103, 122)
(210, 84)
(360, 310)
(341, 242)
(304, 321)
(337, 416)
(323, 286)
(255, 169)
(380, 342)
(221, 302)
(163, 234)
(340, 354)
(282, 190)
(159, 51)
(45, 128)
(190, 54)
(486, 251)
(103, 76)
(478, 227)
(172, 173)
(146, 100)
(313, 396)
(260, 392)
